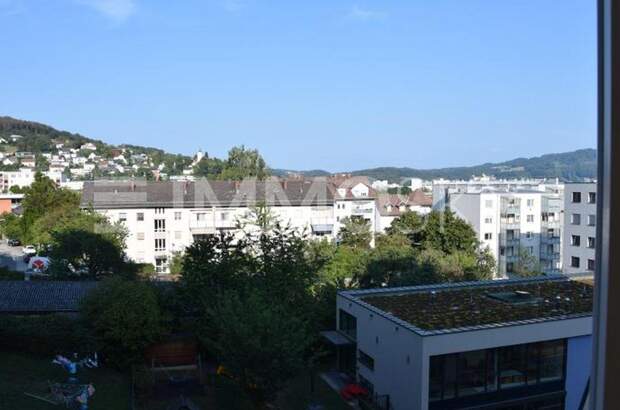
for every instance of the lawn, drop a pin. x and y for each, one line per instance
(225, 395)
(21, 373)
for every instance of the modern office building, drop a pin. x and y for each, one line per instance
(504, 344)
(579, 240)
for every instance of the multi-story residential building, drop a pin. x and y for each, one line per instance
(579, 240)
(517, 220)
(391, 206)
(165, 217)
(515, 225)
(442, 188)
(507, 344)
(25, 177)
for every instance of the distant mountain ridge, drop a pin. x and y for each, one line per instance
(568, 166)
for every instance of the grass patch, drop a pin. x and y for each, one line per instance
(21, 373)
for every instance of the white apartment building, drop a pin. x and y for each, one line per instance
(507, 344)
(510, 219)
(25, 177)
(579, 241)
(392, 206)
(166, 217)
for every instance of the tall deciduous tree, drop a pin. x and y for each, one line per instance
(355, 232)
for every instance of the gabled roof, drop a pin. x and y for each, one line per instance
(415, 198)
(43, 296)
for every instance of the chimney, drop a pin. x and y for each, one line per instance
(184, 187)
(285, 184)
(236, 186)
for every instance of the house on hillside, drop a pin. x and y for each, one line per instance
(89, 146)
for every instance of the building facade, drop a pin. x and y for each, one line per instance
(164, 218)
(515, 225)
(579, 242)
(471, 345)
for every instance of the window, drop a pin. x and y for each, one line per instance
(510, 267)
(488, 203)
(178, 234)
(591, 264)
(530, 202)
(488, 220)
(366, 360)
(177, 216)
(529, 250)
(348, 324)
(224, 216)
(576, 197)
(161, 264)
(592, 197)
(201, 217)
(591, 220)
(551, 360)
(160, 244)
(160, 225)
(575, 219)
(575, 240)
(574, 262)
(122, 217)
(488, 236)
(530, 218)
(489, 370)
(529, 234)
(512, 370)
(591, 242)
(160, 210)
(140, 216)
(140, 236)
(471, 378)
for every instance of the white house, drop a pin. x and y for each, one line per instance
(89, 146)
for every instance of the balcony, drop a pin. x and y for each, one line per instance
(362, 211)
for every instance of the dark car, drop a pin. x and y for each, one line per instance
(14, 242)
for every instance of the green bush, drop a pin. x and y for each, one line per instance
(44, 335)
(124, 318)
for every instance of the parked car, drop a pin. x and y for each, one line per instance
(13, 242)
(29, 250)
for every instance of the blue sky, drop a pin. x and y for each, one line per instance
(330, 84)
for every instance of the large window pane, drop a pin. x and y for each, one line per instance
(471, 373)
(512, 361)
(449, 371)
(551, 360)
(491, 370)
(435, 378)
(532, 363)
(348, 324)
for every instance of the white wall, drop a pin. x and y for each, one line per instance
(583, 230)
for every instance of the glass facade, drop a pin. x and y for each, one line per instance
(485, 376)
(347, 324)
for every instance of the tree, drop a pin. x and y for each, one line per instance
(125, 318)
(392, 257)
(527, 265)
(409, 224)
(86, 253)
(447, 232)
(264, 283)
(243, 163)
(209, 167)
(355, 232)
(260, 218)
(405, 190)
(259, 342)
